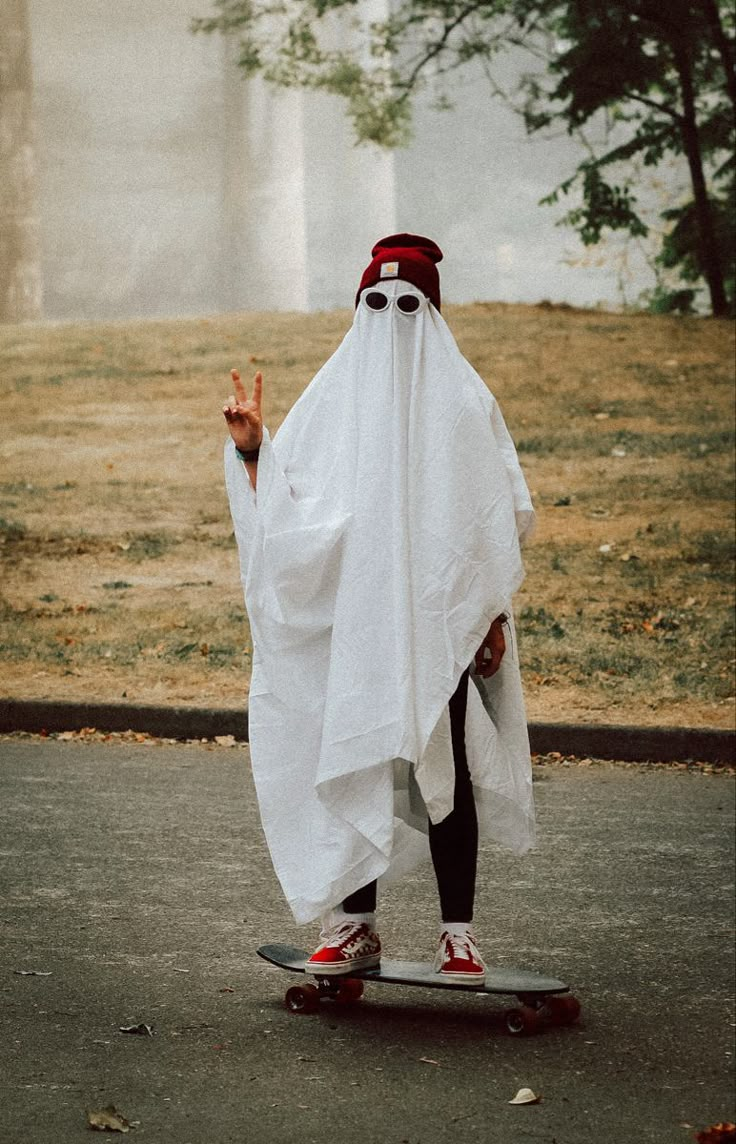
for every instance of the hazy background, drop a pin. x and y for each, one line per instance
(165, 185)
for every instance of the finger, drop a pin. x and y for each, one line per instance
(240, 390)
(498, 651)
(258, 389)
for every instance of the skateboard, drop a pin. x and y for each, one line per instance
(541, 999)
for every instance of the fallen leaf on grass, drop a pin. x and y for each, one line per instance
(525, 1096)
(140, 1030)
(108, 1120)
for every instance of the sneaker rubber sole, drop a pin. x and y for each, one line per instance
(476, 979)
(343, 968)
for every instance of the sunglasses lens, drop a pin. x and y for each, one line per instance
(408, 303)
(376, 300)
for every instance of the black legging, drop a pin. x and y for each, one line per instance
(452, 842)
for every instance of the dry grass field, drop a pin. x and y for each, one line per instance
(119, 576)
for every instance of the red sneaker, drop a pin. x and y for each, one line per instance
(458, 960)
(344, 949)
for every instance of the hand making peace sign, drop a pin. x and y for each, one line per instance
(243, 414)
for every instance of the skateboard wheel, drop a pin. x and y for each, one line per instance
(563, 1010)
(350, 989)
(302, 999)
(522, 1022)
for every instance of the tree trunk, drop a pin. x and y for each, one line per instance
(709, 254)
(20, 262)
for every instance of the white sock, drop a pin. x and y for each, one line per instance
(360, 919)
(337, 916)
(456, 929)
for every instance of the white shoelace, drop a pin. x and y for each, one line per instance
(347, 936)
(463, 947)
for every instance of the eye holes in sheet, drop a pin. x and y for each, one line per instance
(407, 303)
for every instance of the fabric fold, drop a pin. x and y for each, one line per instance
(383, 540)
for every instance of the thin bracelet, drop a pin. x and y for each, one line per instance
(248, 454)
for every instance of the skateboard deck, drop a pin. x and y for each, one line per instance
(541, 998)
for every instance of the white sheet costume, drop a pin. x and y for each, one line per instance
(382, 541)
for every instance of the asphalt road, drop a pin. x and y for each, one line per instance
(136, 878)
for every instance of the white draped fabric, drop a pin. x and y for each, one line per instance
(382, 541)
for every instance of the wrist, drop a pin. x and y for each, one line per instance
(248, 455)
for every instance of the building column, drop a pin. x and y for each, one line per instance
(20, 247)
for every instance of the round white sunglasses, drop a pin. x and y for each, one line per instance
(376, 300)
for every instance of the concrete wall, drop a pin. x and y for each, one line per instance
(131, 152)
(20, 248)
(168, 186)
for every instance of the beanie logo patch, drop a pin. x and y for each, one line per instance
(390, 270)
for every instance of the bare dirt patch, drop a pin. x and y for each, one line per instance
(119, 566)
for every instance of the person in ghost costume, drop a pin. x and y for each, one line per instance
(379, 539)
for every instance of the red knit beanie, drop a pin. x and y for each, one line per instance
(406, 256)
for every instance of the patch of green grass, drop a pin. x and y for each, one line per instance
(17, 647)
(18, 488)
(616, 660)
(713, 548)
(601, 443)
(706, 484)
(664, 533)
(640, 574)
(220, 655)
(182, 651)
(227, 541)
(539, 620)
(667, 651)
(149, 546)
